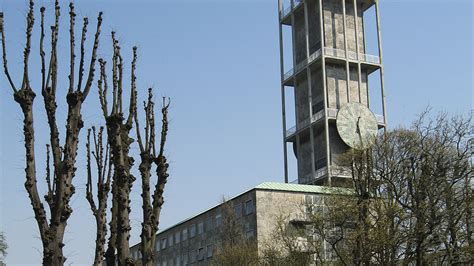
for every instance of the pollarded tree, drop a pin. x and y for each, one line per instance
(152, 204)
(60, 188)
(119, 140)
(104, 172)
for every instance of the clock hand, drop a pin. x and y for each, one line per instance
(358, 131)
(357, 126)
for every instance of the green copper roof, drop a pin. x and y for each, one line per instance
(302, 188)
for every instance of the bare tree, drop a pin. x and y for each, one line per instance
(60, 189)
(234, 247)
(152, 204)
(103, 166)
(411, 201)
(3, 247)
(118, 137)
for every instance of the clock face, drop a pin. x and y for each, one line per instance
(357, 126)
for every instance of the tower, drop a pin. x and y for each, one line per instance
(329, 66)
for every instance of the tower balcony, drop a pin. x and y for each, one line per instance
(317, 118)
(371, 62)
(285, 16)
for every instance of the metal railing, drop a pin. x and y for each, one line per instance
(286, 11)
(317, 174)
(288, 74)
(339, 53)
(332, 52)
(303, 124)
(301, 65)
(291, 131)
(380, 119)
(332, 114)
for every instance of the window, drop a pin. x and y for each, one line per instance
(164, 263)
(185, 259)
(170, 240)
(248, 230)
(201, 254)
(157, 245)
(209, 223)
(248, 207)
(163, 243)
(178, 261)
(177, 237)
(192, 256)
(238, 210)
(210, 251)
(200, 228)
(192, 231)
(185, 233)
(218, 219)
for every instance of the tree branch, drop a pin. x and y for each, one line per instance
(89, 195)
(4, 53)
(72, 20)
(42, 54)
(133, 93)
(102, 86)
(93, 58)
(83, 41)
(30, 20)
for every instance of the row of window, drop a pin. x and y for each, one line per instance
(200, 228)
(248, 208)
(193, 256)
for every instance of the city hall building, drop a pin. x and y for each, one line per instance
(195, 240)
(333, 100)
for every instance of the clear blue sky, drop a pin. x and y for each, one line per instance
(219, 62)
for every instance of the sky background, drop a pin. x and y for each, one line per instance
(218, 60)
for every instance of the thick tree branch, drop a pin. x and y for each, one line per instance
(4, 54)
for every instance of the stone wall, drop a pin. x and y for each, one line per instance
(334, 25)
(271, 206)
(336, 83)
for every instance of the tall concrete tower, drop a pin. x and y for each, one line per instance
(327, 67)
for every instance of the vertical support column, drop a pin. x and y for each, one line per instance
(348, 73)
(283, 107)
(323, 68)
(298, 149)
(356, 24)
(382, 82)
(310, 96)
(293, 40)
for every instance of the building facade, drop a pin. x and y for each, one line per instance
(329, 66)
(194, 241)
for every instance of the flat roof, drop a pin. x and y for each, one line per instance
(275, 186)
(272, 186)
